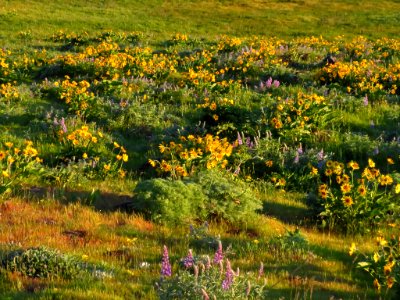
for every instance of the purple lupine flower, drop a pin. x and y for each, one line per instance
(165, 265)
(300, 149)
(188, 261)
(376, 151)
(320, 155)
(249, 143)
(63, 126)
(239, 139)
(269, 82)
(227, 282)
(261, 271)
(219, 255)
(365, 100)
(276, 83)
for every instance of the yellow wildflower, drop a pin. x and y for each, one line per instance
(352, 249)
(371, 163)
(397, 188)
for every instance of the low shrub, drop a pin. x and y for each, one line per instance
(169, 201)
(209, 195)
(41, 262)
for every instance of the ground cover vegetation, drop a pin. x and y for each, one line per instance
(235, 167)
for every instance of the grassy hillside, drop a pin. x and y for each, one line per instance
(202, 18)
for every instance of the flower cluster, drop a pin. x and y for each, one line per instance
(75, 94)
(299, 117)
(8, 92)
(180, 159)
(383, 264)
(200, 278)
(355, 199)
(16, 162)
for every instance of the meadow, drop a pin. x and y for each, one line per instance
(199, 150)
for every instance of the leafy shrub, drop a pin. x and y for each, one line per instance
(41, 262)
(169, 201)
(227, 199)
(210, 195)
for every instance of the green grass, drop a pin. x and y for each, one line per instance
(160, 19)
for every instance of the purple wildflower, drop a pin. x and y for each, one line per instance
(276, 83)
(63, 126)
(165, 265)
(188, 261)
(219, 256)
(249, 143)
(376, 151)
(239, 139)
(269, 82)
(300, 149)
(365, 100)
(320, 155)
(227, 282)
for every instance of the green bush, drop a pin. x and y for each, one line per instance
(210, 195)
(41, 262)
(227, 199)
(168, 201)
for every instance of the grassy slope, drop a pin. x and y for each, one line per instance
(203, 18)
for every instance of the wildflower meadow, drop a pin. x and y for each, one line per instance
(234, 166)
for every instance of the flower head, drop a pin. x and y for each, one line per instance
(219, 255)
(165, 265)
(352, 249)
(188, 261)
(227, 282)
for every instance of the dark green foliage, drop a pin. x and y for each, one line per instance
(210, 195)
(228, 199)
(169, 201)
